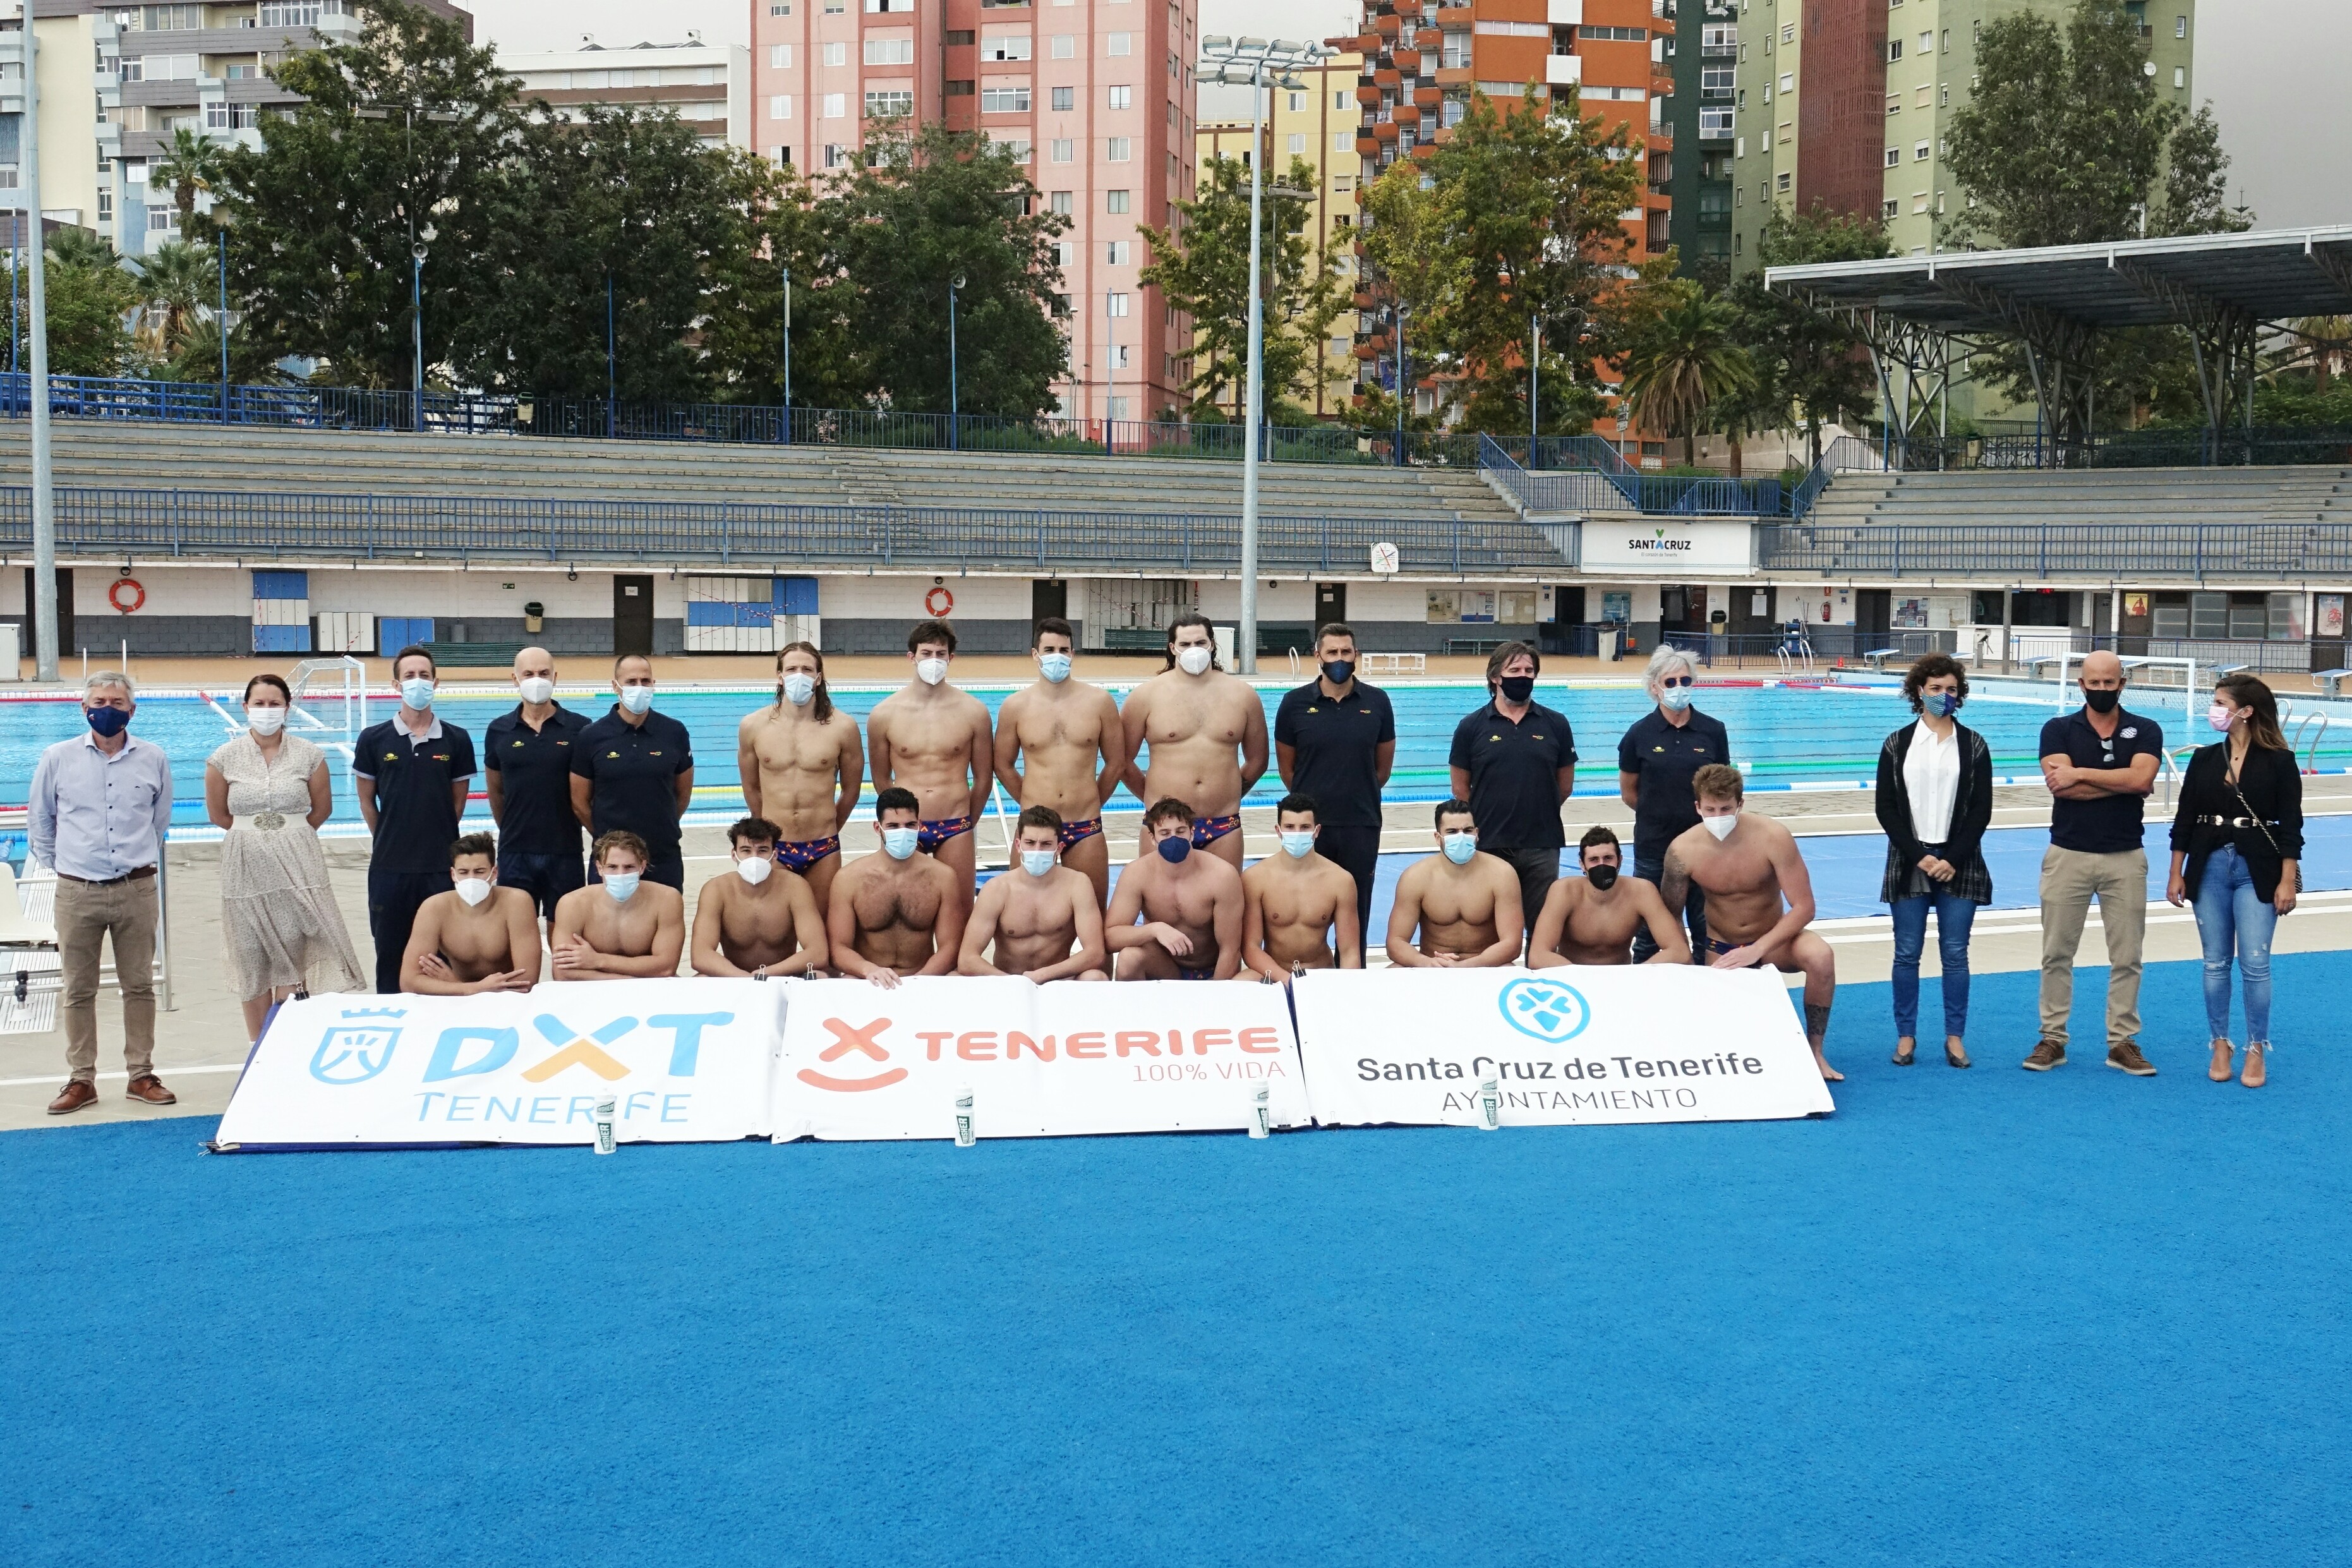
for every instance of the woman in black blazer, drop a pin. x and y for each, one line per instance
(1935, 801)
(2237, 838)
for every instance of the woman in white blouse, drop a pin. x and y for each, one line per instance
(1935, 801)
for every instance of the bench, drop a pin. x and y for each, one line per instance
(1474, 645)
(1134, 639)
(1879, 656)
(474, 654)
(2330, 681)
(1393, 664)
(2223, 672)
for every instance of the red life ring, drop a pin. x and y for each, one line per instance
(938, 603)
(138, 594)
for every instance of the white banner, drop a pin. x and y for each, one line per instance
(1649, 544)
(682, 1060)
(1640, 1043)
(1067, 1058)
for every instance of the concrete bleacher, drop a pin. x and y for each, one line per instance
(2256, 495)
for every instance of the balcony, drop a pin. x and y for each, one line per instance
(1428, 97)
(1407, 61)
(1563, 71)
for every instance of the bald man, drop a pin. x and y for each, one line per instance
(526, 757)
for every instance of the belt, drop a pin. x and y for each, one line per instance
(2231, 822)
(139, 875)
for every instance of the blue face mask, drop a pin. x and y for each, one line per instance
(1460, 847)
(1299, 846)
(1038, 862)
(1944, 704)
(1054, 667)
(107, 721)
(622, 884)
(637, 698)
(798, 688)
(899, 843)
(1174, 847)
(1677, 697)
(417, 694)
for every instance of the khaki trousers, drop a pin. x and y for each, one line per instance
(2070, 880)
(85, 914)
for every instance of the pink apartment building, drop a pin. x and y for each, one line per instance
(1094, 96)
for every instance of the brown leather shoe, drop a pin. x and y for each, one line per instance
(2046, 1055)
(148, 1089)
(2125, 1057)
(73, 1097)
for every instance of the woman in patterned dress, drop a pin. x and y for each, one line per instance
(280, 929)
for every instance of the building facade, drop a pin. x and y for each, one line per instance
(1704, 53)
(1094, 98)
(708, 85)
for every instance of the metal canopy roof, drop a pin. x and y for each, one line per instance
(2268, 275)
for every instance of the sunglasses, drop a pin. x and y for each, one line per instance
(1679, 680)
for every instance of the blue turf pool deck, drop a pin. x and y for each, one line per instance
(1974, 1319)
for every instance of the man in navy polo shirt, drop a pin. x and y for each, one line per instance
(527, 758)
(2100, 763)
(633, 771)
(411, 774)
(1514, 761)
(1335, 739)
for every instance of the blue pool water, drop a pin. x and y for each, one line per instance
(1786, 734)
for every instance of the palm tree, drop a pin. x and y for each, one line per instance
(189, 164)
(178, 282)
(81, 247)
(1682, 365)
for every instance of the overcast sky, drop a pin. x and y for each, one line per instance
(2269, 67)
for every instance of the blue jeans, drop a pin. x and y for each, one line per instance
(2231, 914)
(1954, 916)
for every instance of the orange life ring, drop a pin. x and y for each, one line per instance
(138, 594)
(939, 601)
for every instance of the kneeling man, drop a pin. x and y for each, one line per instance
(1751, 864)
(476, 937)
(764, 920)
(896, 913)
(1189, 904)
(622, 928)
(1592, 919)
(1040, 914)
(1466, 904)
(1294, 904)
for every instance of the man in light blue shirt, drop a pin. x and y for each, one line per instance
(101, 805)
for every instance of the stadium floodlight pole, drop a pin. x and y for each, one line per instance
(36, 333)
(955, 286)
(787, 436)
(1256, 64)
(221, 237)
(1535, 383)
(1399, 382)
(410, 113)
(1111, 373)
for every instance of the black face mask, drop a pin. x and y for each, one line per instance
(1339, 671)
(1518, 687)
(1602, 878)
(2102, 701)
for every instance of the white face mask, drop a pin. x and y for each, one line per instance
(800, 689)
(269, 721)
(1038, 862)
(535, 688)
(1720, 827)
(755, 869)
(2221, 716)
(931, 672)
(622, 885)
(473, 890)
(637, 698)
(416, 693)
(1054, 667)
(1194, 660)
(899, 843)
(1298, 845)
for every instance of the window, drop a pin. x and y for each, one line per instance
(1119, 98)
(960, 88)
(1340, 99)
(1016, 146)
(835, 9)
(1715, 81)
(1066, 46)
(1297, 103)
(836, 54)
(1059, 202)
(1788, 81)
(781, 8)
(1715, 124)
(1117, 149)
(232, 116)
(1114, 304)
(1062, 149)
(889, 104)
(105, 206)
(1297, 145)
(780, 107)
(1918, 201)
(1343, 182)
(1005, 46)
(1893, 157)
(1453, 51)
(1116, 355)
(1004, 100)
(1893, 50)
(1065, 98)
(274, 14)
(1118, 44)
(780, 56)
(959, 37)
(1114, 252)
(1788, 33)
(2180, 75)
(1893, 104)
(1927, 43)
(782, 157)
(1919, 155)
(1066, 254)
(888, 51)
(836, 107)
(1543, 30)
(1787, 126)
(2180, 27)
(1780, 182)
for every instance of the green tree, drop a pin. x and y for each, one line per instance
(929, 205)
(190, 164)
(1683, 362)
(177, 283)
(1201, 267)
(2195, 197)
(322, 213)
(89, 298)
(1808, 364)
(744, 335)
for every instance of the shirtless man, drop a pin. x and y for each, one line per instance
(1295, 902)
(1037, 913)
(934, 739)
(761, 921)
(622, 928)
(896, 913)
(1751, 864)
(802, 768)
(1049, 738)
(1191, 905)
(1196, 718)
(1592, 919)
(1466, 904)
(476, 937)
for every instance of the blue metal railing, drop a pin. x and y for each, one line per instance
(1663, 495)
(2273, 551)
(164, 522)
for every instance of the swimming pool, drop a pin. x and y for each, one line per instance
(1788, 736)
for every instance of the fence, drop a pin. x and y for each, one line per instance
(2198, 448)
(1619, 489)
(376, 527)
(2272, 551)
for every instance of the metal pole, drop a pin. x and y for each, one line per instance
(417, 324)
(611, 361)
(1247, 652)
(952, 408)
(44, 513)
(1535, 385)
(223, 323)
(15, 327)
(1400, 385)
(788, 356)
(1110, 377)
